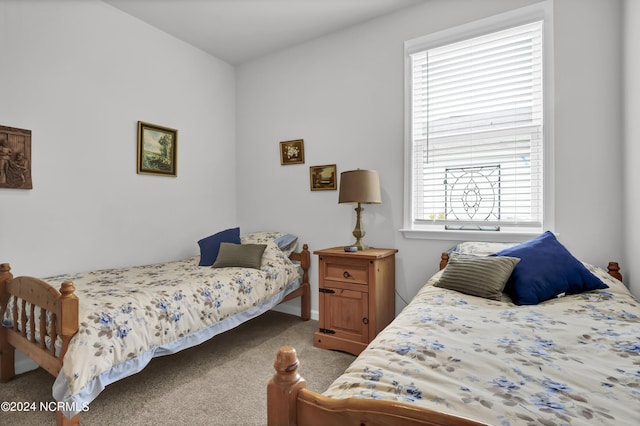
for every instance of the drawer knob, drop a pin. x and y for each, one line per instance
(346, 274)
(365, 320)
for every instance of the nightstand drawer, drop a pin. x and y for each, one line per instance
(347, 272)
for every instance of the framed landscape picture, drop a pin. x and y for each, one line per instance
(323, 177)
(157, 150)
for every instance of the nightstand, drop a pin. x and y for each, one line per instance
(357, 297)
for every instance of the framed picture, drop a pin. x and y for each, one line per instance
(323, 177)
(292, 152)
(157, 150)
(15, 158)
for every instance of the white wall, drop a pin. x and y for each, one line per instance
(631, 95)
(343, 94)
(80, 75)
(588, 128)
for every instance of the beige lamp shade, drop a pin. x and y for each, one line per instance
(359, 186)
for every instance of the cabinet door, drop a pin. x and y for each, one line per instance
(346, 314)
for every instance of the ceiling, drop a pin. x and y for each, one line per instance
(238, 31)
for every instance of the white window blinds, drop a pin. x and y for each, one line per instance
(476, 131)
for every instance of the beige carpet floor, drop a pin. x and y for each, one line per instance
(220, 382)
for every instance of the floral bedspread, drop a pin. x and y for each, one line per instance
(573, 360)
(129, 315)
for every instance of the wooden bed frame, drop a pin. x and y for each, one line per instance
(289, 402)
(63, 306)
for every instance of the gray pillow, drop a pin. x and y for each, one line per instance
(481, 276)
(240, 255)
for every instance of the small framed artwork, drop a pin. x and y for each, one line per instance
(323, 178)
(292, 152)
(157, 150)
(15, 158)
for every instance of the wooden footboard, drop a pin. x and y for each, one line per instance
(33, 301)
(291, 403)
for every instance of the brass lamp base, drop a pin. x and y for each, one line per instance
(358, 244)
(358, 232)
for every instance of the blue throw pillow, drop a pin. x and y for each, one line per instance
(546, 270)
(210, 246)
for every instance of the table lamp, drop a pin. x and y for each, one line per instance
(362, 187)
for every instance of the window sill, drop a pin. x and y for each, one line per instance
(502, 236)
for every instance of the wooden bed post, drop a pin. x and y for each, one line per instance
(68, 321)
(68, 324)
(305, 262)
(282, 390)
(614, 270)
(444, 259)
(304, 291)
(305, 301)
(7, 352)
(61, 420)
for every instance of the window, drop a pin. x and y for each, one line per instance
(476, 143)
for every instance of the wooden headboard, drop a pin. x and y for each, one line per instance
(613, 268)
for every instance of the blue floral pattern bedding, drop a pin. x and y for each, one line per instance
(129, 315)
(572, 360)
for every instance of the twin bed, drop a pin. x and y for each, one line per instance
(462, 352)
(453, 358)
(102, 326)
